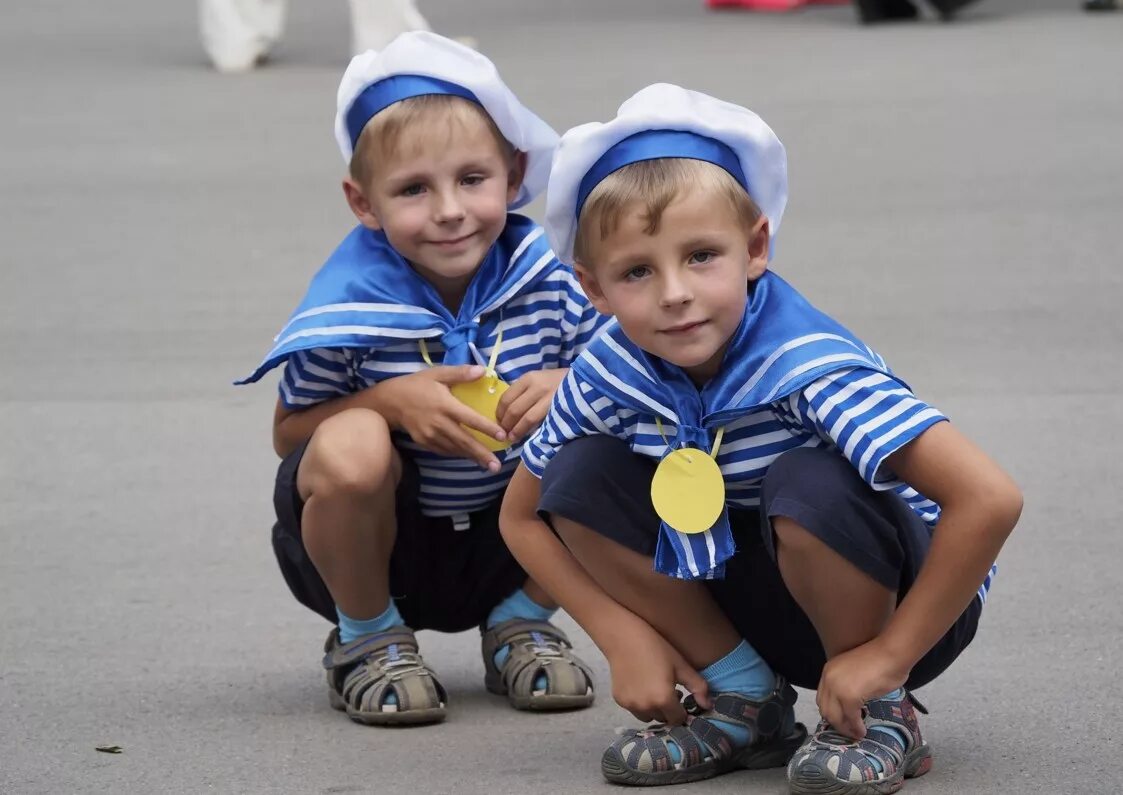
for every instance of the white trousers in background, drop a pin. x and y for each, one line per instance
(237, 34)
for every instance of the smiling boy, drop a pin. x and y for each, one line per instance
(741, 494)
(426, 348)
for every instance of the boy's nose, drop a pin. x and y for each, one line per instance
(449, 208)
(675, 292)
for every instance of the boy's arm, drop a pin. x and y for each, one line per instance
(645, 668)
(551, 565)
(979, 505)
(419, 403)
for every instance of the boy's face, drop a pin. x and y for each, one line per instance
(679, 293)
(441, 200)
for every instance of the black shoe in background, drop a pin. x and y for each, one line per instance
(873, 11)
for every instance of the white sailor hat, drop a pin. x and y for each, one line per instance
(661, 121)
(420, 63)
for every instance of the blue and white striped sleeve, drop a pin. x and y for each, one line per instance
(868, 416)
(316, 375)
(577, 411)
(580, 323)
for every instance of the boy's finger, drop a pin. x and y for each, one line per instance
(516, 389)
(674, 714)
(470, 448)
(693, 681)
(856, 726)
(518, 410)
(465, 416)
(457, 374)
(532, 418)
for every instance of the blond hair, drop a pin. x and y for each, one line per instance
(654, 184)
(411, 122)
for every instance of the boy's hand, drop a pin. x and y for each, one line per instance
(853, 678)
(525, 404)
(422, 405)
(645, 672)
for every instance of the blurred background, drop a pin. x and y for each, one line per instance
(955, 200)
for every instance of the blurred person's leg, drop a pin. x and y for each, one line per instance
(375, 23)
(948, 8)
(237, 34)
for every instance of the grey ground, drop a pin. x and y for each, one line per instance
(955, 199)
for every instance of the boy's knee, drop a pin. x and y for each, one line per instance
(351, 453)
(793, 538)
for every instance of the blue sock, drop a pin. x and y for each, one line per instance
(741, 671)
(518, 605)
(895, 695)
(351, 628)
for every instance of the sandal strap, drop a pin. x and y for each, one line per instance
(340, 655)
(899, 715)
(364, 670)
(507, 633)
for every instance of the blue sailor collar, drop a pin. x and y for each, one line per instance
(368, 296)
(782, 345)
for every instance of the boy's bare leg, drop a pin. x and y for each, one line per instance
(846, 607)
(347, 480)
(682, 612)
(535, 592)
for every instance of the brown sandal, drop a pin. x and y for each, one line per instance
(362, 673)
(536, 648)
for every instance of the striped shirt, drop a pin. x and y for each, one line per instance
(864, 414)
(544, 329)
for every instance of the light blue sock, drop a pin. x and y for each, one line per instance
(351, 628)
(895, 695)
(518, 605)
(741, 671)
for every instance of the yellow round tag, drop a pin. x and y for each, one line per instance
(688, 491)
(482, 396)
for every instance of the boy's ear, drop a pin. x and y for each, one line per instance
(593, 291)
(360, 205)
(515, 176)
(760, 244)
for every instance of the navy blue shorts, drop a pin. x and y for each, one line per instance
(441, 578)
(600, 483)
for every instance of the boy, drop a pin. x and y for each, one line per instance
(803, 554)
(395, 421)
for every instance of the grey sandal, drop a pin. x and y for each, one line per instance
(362, 673)
(536, 648)
(878, 764)
(645, 757)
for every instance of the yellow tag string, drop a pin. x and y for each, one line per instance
(490, 365)
(717, 437)
(495, 354)
(425, 353)
(717, 442)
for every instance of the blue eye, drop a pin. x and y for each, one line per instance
(636, 273)
(701, 257)
(473, 180)
(413, 190)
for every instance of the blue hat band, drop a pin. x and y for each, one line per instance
(655, 145)
(381, 95)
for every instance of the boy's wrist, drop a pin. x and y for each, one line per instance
(374, 399)
(900, 646)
